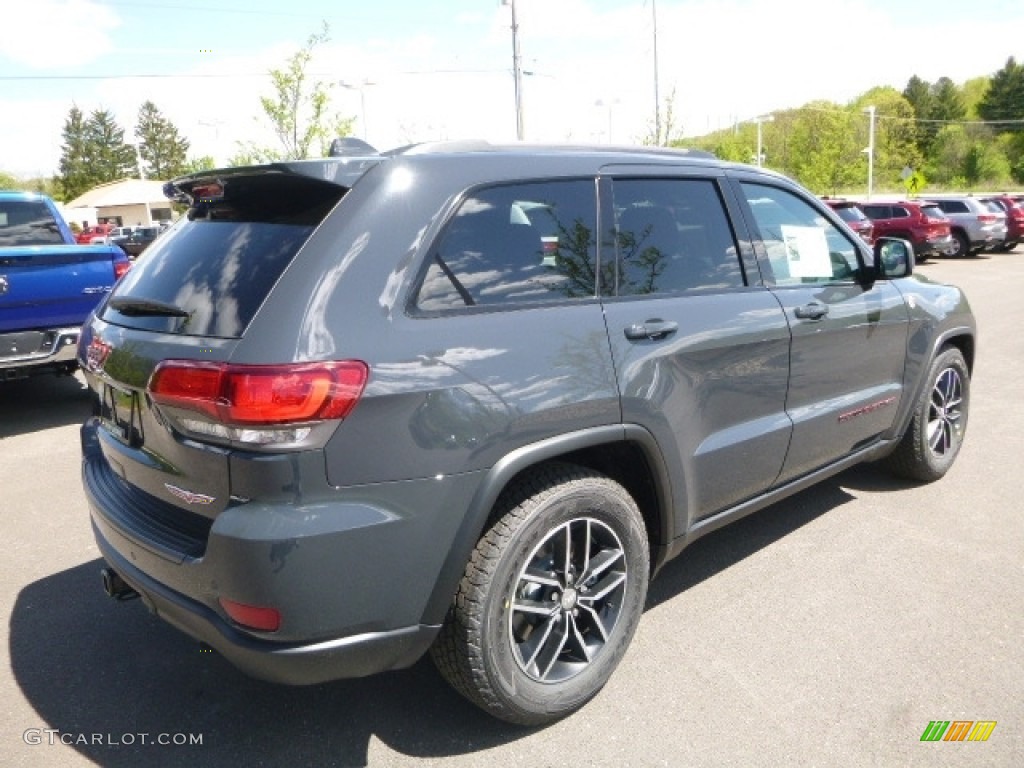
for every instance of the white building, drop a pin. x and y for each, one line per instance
(128, 203)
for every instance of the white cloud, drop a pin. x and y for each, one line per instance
(55, 34)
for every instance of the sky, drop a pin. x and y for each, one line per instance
(423, 71)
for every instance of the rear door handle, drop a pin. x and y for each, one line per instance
(652, 329)
(813, 311)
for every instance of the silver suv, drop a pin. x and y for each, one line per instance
(469, 399)
(975, 226)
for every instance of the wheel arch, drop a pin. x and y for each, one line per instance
(963, 341)
(627, 454)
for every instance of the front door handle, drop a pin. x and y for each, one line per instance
(813, 311)
(652, 329)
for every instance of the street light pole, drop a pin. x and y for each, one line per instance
(361, 87)
(761, 119)
(517, 69)
(609, 103)
(871, 147)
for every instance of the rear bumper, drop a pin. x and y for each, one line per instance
(38, 348)
(938, 246)
(289, 663)
(351, 571)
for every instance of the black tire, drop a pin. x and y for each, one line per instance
(936, 431)
(963, 246)
(521, 639)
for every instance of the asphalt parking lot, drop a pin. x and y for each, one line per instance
(828, 630)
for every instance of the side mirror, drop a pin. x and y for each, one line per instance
(894, 257)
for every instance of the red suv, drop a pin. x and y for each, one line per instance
(1013, 205)
(854, 217)
(922, 223)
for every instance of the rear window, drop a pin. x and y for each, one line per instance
(218, 265)
(27, 222)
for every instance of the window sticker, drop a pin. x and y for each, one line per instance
(806, 251)
(3, 218)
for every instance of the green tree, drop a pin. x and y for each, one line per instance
(298, 111)
(76, 172)
(824, 148)
(985, 163)
(948, 155)
(1004, 100)
(972, 92)
(664, 132)
(162, 148)
(108, 155)
(895, 134)
(947, 103)
(918, 94)
(196, 164)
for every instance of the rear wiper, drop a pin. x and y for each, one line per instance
(138, 307)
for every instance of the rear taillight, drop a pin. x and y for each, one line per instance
(120, 268)
(987, 218)
(257, 404)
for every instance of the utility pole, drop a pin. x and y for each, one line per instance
(657, 99)
(517, 70)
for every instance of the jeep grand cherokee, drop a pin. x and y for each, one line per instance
(469, 399)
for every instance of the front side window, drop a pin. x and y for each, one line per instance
(802, 245)
(673, 235)
(515, 244)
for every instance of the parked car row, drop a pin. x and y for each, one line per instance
(132, 240)
(136, 241)
(947, 225)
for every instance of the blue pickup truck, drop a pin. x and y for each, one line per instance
(48, 285)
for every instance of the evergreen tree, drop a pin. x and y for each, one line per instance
(110, 156)
(947, 104)
(1004, 99)
(77, 174)
(919, 94)
(162, 148)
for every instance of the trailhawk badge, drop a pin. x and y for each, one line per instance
(189, 497)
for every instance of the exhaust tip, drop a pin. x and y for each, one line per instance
(116, 587)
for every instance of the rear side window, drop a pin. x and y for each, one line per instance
(219, 265)
(673, 235)
(27, 222)
(514, 244)
(878, 211)
(933, 212)
(850, 213)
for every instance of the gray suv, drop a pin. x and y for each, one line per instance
(469, 399)
(974, 225)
